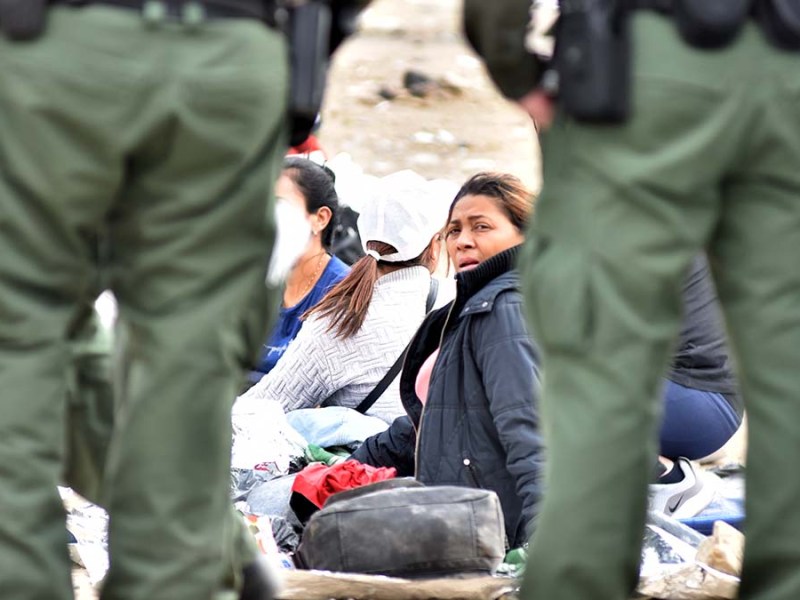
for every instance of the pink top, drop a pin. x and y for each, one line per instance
(424, 377)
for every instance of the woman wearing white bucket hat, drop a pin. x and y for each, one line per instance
(352, 338)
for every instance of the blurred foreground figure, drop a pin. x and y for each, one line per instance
(163, 130)
(676, 128)
(160, 126)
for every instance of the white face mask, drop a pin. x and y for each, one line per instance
(292, 235)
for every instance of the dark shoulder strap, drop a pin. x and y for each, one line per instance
(376, 393)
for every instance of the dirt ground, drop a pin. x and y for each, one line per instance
(453, 132)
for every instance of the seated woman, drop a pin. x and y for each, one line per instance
(477, 421)
(354, 335)
(311, 187)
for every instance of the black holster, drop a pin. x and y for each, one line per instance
(22, 19)
(780, 21)
(309, 30)
(593, 60)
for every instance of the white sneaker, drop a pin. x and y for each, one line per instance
(686, 498)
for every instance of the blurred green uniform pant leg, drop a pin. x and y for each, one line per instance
(711, 157)
(90, 425)
(171, 137)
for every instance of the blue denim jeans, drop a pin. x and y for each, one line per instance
(696, 423)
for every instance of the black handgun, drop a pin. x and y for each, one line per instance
(309, 31)
(592, 58)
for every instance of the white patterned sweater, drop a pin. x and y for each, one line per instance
(318, 367)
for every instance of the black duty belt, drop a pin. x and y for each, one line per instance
(778, 19)
(261, 10)
(662, 6)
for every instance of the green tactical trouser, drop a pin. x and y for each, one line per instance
(710, 158)
(89, 428)
(170, 138)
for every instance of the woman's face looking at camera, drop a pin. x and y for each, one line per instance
(478, 229)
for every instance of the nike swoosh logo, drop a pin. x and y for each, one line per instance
(671, 508)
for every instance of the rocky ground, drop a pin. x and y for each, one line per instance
(450, 130)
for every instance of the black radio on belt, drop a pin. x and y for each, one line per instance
(309, 31)
(592, 59)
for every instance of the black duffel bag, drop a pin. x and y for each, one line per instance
(401, 528)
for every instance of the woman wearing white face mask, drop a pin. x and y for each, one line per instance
(310, 187)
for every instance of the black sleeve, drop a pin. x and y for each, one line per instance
(391, 448)
(497, 31)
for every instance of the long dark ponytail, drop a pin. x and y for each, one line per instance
(347, 303)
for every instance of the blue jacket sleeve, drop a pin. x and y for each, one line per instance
(509, 363)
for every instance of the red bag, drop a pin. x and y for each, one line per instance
(317, 482)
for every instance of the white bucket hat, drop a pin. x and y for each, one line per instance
(405, 211)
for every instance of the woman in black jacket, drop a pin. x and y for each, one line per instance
(477, 421)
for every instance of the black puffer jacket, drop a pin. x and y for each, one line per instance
(480, 425)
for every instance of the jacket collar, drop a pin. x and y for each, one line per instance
(473, 292)
(476, 292)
